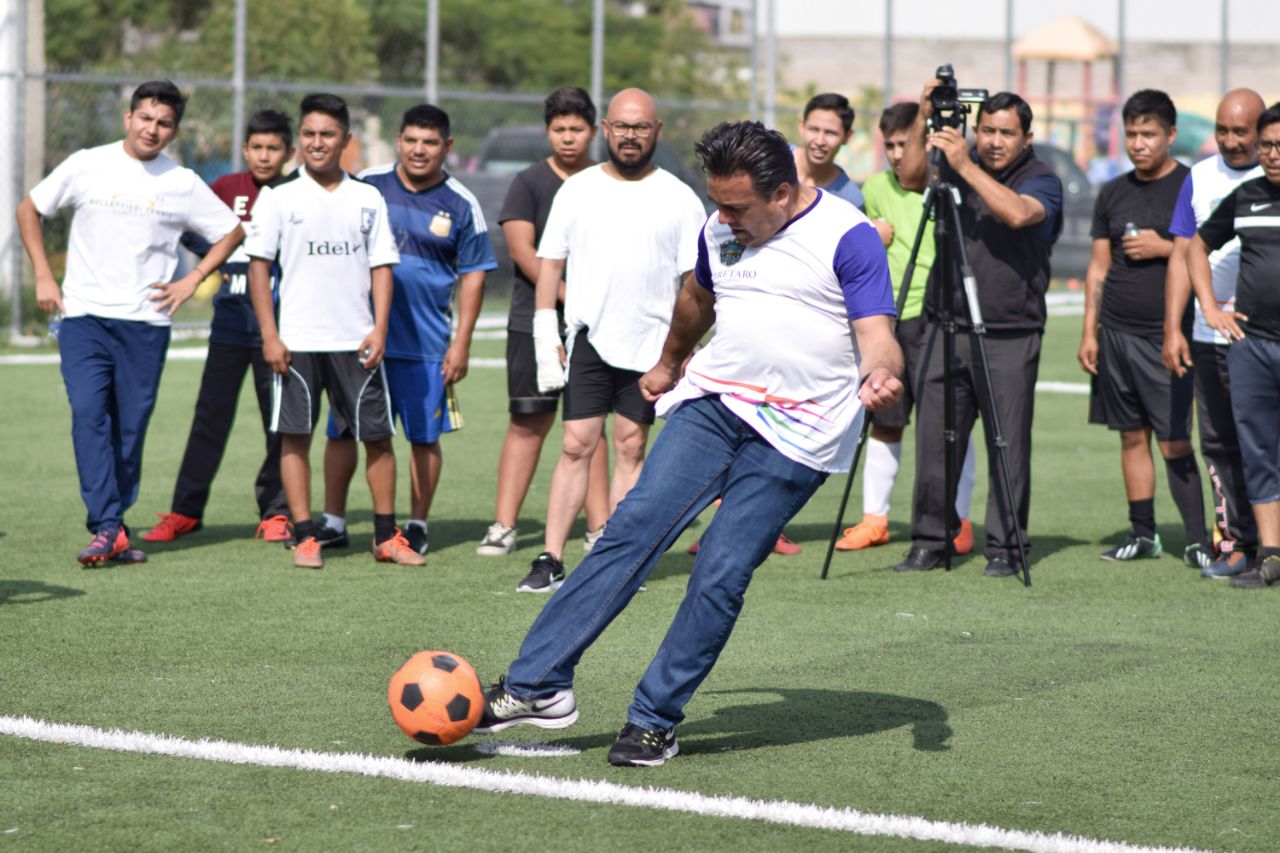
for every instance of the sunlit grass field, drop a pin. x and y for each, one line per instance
(1134, 702)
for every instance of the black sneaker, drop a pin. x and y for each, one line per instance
(999, 567)
(546, 574)
(502, 710)
(1267, 574)
(919, 560)
(1134, 547)
(640, 747)
(326, 537)
(416, 537)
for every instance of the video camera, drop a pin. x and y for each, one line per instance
(951, 105)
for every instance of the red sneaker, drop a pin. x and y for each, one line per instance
(963, 542)
(275, 529)
(785, 546)
(171, 526)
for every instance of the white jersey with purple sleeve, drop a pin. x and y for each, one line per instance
(1209, 182)
(783, 356)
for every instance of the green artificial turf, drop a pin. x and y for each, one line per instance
(1125, 701)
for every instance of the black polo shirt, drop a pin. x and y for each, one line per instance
(1252, 212)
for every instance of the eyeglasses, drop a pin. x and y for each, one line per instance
(1267, 146)
(642, 130)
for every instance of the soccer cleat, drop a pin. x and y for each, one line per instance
(919, 560)
(1228, 566)
(398, 550)
(502, 710)
(591, 537)
(1134, 547)
(499, 541)
(545, 575)
(306, 554)
(171, 526)
(871, 531)
(637, 746)
(1197, 557)
(695, 547)
(999, 567)
(1267, 574)
(328, 537)
(130, 556)
(785, 546)
(963, 543)
(108, 544)
(416, 536)
(274, 529)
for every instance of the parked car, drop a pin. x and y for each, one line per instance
(1071, 253)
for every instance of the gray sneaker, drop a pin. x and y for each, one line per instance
(498, 542)
(502, 710)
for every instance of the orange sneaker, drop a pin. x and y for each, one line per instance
(964, 539)
(872, 530)
(396, 550)
(306, 554)
(785, 546)
(107, 544)
(171, 526)
(275, 529)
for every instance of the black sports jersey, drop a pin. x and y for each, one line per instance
(1252, 212)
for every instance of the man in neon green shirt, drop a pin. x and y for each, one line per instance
(895, 204)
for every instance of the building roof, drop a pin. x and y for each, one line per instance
(1066, 38)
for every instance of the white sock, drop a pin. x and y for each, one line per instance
(335, 522)
(416, 522)
(964, 488)
(879, 474)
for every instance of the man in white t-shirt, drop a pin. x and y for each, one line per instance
(1209, 182)
(330, 234)
(795, 281)
(132, 204)
(622, 235)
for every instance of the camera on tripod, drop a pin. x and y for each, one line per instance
(950, 105)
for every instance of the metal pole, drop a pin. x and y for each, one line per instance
(1223, 51)
(888, 52)
(433, 51)
(771, 65)
(597, 68)
(753, 102)
(1008, 45)
(1120, 59)
(18, 140)
(237, 85)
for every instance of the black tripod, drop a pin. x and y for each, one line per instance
(942, 204)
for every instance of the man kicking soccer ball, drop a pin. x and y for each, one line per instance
(795, 281)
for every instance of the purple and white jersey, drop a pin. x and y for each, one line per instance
(783, 356)
(1209, 182)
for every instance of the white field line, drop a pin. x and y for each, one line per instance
(579, 790)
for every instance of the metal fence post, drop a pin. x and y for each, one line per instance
(17, 139)
(597, 67)
(237, 86)
(432, 51)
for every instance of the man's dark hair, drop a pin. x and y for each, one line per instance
(162, 92)
(270, 121)
(1005, 101)
(570, 101)
(428, 117)
(1151, 103)
(838, 104)
(330, 105)
(748, 146)
(898, 117)
(1270, 116)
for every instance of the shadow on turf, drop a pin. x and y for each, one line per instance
(33, 592)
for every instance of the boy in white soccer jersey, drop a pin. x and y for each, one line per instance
(330, 233)
(132, 204)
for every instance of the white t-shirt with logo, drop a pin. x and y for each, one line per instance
(129, 216)
(626, 246)
(783, 356)
(326, 242)
(1209, 182)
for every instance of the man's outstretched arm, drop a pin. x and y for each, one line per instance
(694, 315)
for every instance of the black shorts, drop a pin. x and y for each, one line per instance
(1134, 391)
(522, 378)
(596, 388)
(358, 398)
(911, 337)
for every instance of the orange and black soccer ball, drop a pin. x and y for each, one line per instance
(435, 698)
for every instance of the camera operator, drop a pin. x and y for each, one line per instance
(1011, 214)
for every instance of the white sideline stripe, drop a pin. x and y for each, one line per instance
(581, 790)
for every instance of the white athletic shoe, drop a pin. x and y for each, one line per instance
(498, 542)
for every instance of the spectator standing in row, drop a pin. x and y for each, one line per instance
(825, 128)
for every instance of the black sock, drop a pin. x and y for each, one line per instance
(1184, 484)
(1264, 552)
(304, 530)
(1142, 515)
(384, 527)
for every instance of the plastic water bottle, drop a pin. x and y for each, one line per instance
(1131, 230)
(55, 325)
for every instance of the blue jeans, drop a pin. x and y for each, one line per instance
(111, 369)
(704, 452)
